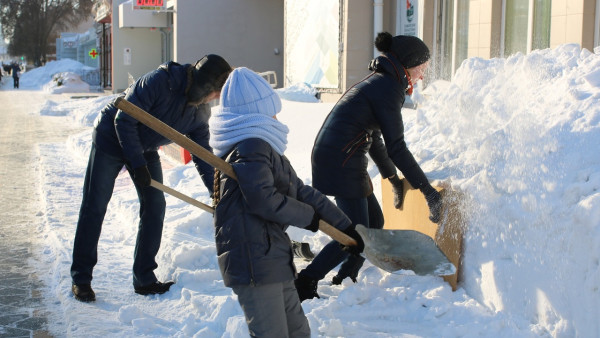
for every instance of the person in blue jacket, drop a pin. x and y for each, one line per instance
(178, 95)
(253, 212)
(367, 120)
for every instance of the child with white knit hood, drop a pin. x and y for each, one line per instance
(253, 213)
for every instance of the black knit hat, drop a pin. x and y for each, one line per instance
(208, 75)
(212, 68)
(410, 50)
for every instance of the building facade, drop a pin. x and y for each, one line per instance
(453, 29)
(135, 39)
(329, 43)
(81, 47)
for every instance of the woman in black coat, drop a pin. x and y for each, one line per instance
(367, 120)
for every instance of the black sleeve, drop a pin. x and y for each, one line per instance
(388, 113)
(201, 136)
(253, 168)
(379, 154)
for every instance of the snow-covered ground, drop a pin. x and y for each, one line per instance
(519, 136)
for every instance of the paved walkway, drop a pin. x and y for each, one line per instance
(22, 312)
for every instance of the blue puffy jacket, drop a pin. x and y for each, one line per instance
(254, 212)
(366, 119)
(162, 94)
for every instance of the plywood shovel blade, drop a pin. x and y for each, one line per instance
(397, 250)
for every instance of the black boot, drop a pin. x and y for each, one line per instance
(349, 268)
(306, 287)
(83, 292)
(153, 289)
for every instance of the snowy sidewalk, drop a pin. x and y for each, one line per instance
(23, 313)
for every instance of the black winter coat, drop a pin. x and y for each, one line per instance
(162, 94)
(254, 212)
(366, 119)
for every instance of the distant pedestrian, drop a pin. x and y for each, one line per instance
(252, 214)
(16, 74)
(178, 95)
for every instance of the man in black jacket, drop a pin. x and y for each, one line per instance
(178, 95)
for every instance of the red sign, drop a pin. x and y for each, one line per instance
(93, 53)
(149, 4)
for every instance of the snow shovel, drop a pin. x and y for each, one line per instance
(300, 249)
(387, 249)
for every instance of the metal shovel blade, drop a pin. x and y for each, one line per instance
(396, 250)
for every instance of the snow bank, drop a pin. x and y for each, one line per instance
(38, 77)
(66, 82)
(520, 136)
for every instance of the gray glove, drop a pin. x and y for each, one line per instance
(398, 190)
(434, 202)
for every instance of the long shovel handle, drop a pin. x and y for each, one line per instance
(181, 196)
(175, 136)
(323, 226)
(208, 157)
(335, 234)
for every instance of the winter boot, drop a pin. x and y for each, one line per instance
(153, 289)
(306, 287)
(349, 268)
(83, 292)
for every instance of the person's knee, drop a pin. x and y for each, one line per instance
(154, 201)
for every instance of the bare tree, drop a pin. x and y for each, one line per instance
(28, 24)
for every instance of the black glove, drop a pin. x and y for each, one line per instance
(398, 190)
(360, 244)
(434, 202)
(141, 176)
(314, 224)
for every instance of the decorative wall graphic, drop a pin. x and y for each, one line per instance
(312, 38)
(408, 18)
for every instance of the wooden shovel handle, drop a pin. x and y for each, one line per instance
(181, 196)
(323, 226)
(205, 155)
(335, 234)
(175, 136)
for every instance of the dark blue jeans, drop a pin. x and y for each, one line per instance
(98, 186)
(365, 211)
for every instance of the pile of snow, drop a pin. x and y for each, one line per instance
(82, 111)
(518, 136)
(66, 82)
(301, 92)
(41, 76)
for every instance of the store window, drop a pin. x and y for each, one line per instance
(531, 17)
(541, 24)
(452, 45)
